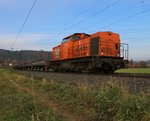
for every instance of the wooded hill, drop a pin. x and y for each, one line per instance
(23, 55)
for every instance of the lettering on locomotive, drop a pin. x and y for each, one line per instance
(57, 53)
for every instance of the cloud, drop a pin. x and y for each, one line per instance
(34, 41)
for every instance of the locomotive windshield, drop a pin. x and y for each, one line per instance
(75, 37)
(65, 40)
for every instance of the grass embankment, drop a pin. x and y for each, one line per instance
(134, 70)
(16, 105)
(108, 103)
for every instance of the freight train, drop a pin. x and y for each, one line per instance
(99, 52)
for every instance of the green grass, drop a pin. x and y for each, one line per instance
(108, 103)
(16, 105)
(134, 70)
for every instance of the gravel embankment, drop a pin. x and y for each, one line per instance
(133, 84)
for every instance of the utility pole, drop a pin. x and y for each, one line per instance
(41, 55)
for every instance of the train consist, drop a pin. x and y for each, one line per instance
(80, 52)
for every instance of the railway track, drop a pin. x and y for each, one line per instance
(126, 75)
(133, 82)
(132, 75)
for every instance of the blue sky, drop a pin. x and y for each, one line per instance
(52, 20)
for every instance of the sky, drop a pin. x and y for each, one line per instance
(52, 20)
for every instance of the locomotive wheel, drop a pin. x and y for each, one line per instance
(106, 68)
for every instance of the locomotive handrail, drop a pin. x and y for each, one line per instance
(125, 50)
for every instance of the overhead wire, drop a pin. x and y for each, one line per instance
(23, 24)
(97, 13)
(78, 15)
(124, 19)
(118, 13)
(83, 12)
(128, 17)
(112, 4)
(88, 17)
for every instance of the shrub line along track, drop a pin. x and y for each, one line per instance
(136, 75)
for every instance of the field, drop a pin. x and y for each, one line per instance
(16, 105)
(134, 70)
(34, 99)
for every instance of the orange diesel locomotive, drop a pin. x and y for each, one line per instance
(100, 52)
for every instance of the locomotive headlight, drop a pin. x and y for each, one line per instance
(102, 52)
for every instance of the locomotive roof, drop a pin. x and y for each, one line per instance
(77, 34)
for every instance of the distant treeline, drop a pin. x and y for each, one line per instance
(7, 56)
(138, 64)
(23, 55)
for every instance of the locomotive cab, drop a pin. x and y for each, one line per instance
(67, 45)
